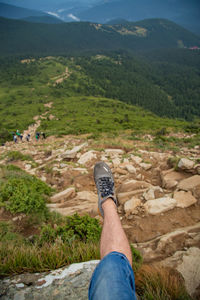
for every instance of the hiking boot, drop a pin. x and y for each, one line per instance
(104, 183)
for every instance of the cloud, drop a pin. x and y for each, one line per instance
(73, 17)
(53, 14)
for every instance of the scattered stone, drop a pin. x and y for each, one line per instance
(170, 178)
(130, 206)
(70, 154)
(81, 170)
(132, 185)
(64, 195)
(114, 152)
(86, 157)
(120, 171)
(185, 164)
(28, 167)
(43, 178)
(190, 183)
(116, 162)
(153, 193)
(131, 169)
(123, 197)
(136, 159)
(145, 166)
(160, 205)
(184, 199)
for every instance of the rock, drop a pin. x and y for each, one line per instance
(28, 167)
(190, 183)
(123, 197)
(81, 170)
(131, 169)
(170, 178)
(188, 264)
(132, 185)
(64, 195)
(120, 171)
(70, 282)
(184, 199)
(152, 193)
(185, 164)
(136, 159)
(190, 269)
(130, 206)
(43, 178)
(114, 152)
(197, 169)
(86, 157)
(160, 205)
(70, 154)
(62, 166)
(145, 166)
(116, 162)
(166, 245)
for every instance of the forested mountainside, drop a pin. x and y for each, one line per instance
(22, 38)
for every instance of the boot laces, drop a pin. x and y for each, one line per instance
(105, 185)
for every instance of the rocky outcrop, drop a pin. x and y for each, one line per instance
(184, 199)
(64, 195)
(71, 282)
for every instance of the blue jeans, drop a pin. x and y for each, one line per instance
(113, 279)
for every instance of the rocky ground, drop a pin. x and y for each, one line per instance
(159, 205)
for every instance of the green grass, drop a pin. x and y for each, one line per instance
(25, 88)
(17, 155)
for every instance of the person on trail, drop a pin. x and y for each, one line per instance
(28, 137)
(43, 135)
(15, 138)
(21, 137)
(37, 136)
(18, 133)
(113, 278)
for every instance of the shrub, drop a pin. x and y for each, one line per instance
(25, 194)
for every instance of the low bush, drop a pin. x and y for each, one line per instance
(21, 192)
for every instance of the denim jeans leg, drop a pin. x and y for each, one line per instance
(113, 279)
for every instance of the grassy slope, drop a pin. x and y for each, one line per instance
(24, 88)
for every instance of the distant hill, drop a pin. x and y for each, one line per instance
(43, 19)
(19, 37)
(15, 12)
(183, 12)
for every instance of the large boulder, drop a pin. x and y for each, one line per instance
(184, 199)
(160, 205)
(64, 195)
(86, 157)
(191, 184)
(131, 169)
(186, 164)
(130, 206)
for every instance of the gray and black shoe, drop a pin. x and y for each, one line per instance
(104, 183)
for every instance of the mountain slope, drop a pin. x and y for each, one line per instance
(183, 12)
(18, 37)
(15, 12)
(43, 19)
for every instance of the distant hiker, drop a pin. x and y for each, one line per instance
(18, 133)
(21, 137)
(28, 137)
(43, 135)
(15, 138)
(37, 136)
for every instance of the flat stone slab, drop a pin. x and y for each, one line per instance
(67, 283)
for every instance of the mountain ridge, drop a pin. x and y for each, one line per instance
(36, 39)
